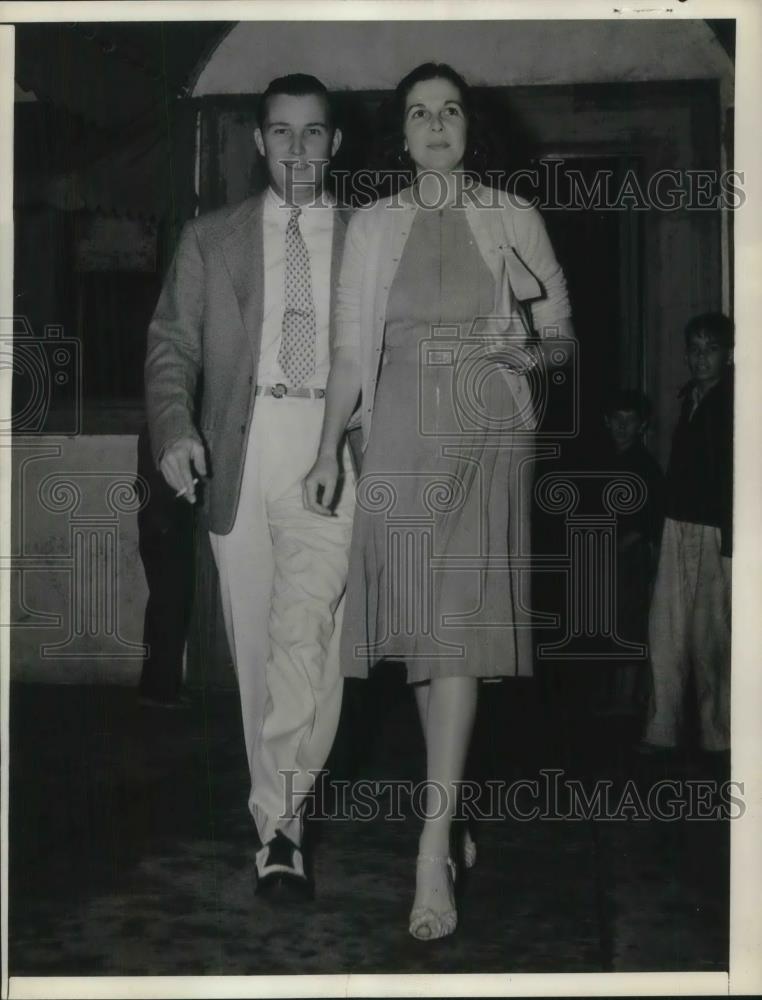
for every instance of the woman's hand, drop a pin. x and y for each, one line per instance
(319, 485)
(341, 392)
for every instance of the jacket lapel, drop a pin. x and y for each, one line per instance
(243, 251)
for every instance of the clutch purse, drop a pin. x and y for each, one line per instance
(516, 290)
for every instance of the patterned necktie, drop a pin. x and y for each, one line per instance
(296, 356)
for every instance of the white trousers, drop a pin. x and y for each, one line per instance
(282, 572)
(689, 630)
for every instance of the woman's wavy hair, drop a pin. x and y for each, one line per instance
(389, 153)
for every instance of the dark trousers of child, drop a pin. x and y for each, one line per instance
(627, 687)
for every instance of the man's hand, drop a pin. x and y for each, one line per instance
(319, 485)
(178, 463)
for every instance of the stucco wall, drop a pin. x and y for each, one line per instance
(78, 590)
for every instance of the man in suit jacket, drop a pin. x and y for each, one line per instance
(246, 306)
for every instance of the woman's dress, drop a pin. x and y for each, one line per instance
(439, 566)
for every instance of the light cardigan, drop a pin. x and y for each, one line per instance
(511, 237)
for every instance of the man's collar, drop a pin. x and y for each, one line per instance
(324, 200)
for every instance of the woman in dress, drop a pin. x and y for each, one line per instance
(429, 331)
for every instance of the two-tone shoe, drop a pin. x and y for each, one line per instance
(280, 869)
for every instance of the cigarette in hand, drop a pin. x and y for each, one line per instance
(181, 493)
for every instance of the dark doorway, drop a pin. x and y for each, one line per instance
(596, 236)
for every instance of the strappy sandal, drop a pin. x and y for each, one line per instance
(427, 924)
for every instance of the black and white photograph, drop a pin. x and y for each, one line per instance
(380, 499)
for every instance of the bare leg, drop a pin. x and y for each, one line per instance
(449, 720)
(422, 702)
(447, 708)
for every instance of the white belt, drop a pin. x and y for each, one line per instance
(279, 390)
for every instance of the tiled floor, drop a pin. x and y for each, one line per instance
(132, 853)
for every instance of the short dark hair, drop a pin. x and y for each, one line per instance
(294, 85)
(629, 400)
(392, 113)
(713, 324)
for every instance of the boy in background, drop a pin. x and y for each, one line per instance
(689, 622)
(626, 421)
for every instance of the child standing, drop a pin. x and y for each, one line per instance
(689, 622)
(626, 420)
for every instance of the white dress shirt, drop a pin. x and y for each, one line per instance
(316, 225)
